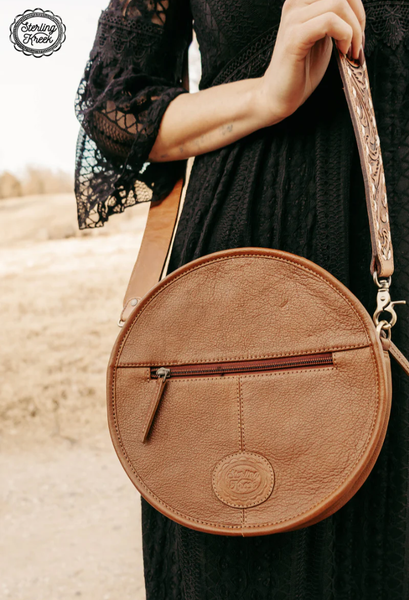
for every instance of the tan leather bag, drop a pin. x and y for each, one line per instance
(249, 391)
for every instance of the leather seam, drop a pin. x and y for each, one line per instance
(218, 525)
(181, 380)
(291, 371)
(243, 440)
(224, 258)
(248, 357)
(238, 414)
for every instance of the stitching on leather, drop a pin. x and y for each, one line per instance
(208, 523)
(243, 441)
(290, 372)
(248, 357)
(221, 259)
(256, 502)
(181, 380)
(395, 351)
(398, 355)
(238, 412)
(218, 525)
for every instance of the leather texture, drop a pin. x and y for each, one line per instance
(359, 98)
(154, 248)
(253, 453)
(397, 355)
(320, 429)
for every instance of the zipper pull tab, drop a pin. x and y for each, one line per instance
(162, 374)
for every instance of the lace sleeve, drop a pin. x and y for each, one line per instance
(134, 71)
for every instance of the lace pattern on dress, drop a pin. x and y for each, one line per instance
(133, 73)
(386, 22)
(252, 61)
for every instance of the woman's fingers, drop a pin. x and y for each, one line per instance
(307, 33)
(329, 10)
(356, 6)
(359, 10)
(303, 48)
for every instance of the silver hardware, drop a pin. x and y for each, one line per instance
(383, 282)
(162, 372)
(132, 302)
(383, 327)
(384, 304)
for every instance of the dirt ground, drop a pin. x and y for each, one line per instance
(69, 516)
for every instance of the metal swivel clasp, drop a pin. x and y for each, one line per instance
(384, 304)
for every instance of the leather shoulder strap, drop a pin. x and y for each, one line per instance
(156, 242)
(148, 269)
(162, 218)
(359, 98)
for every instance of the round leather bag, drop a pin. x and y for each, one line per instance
(248, 393)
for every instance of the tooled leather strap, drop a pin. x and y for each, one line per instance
(359, 99)
(162, 217)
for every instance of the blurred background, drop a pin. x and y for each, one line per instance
(69, 516)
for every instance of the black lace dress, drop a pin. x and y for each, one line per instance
(296, 186)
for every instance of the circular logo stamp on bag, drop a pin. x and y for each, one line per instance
(243, 479)
(37, 33)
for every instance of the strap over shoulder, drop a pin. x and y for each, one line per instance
(162, 219)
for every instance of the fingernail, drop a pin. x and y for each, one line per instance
(363, 40)
(361, 57)
(349, 53)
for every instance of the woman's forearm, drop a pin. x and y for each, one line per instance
(210, 119)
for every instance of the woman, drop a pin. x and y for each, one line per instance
(276, 166)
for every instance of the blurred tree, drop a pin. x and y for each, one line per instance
(40, 180)
(35, 180)
(9, 185)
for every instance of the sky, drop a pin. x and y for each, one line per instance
(38, 122)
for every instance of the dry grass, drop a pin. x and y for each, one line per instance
(61, 297)
(70, 518)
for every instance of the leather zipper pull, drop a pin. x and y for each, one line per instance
(162, 374)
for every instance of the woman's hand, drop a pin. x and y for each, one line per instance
(303, 50)
(212, 118)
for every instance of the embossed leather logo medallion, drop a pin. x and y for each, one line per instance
(243, 479)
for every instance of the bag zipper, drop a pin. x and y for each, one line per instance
(162, 374)
(242, 366)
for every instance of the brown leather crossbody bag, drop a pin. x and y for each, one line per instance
(249, 391)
